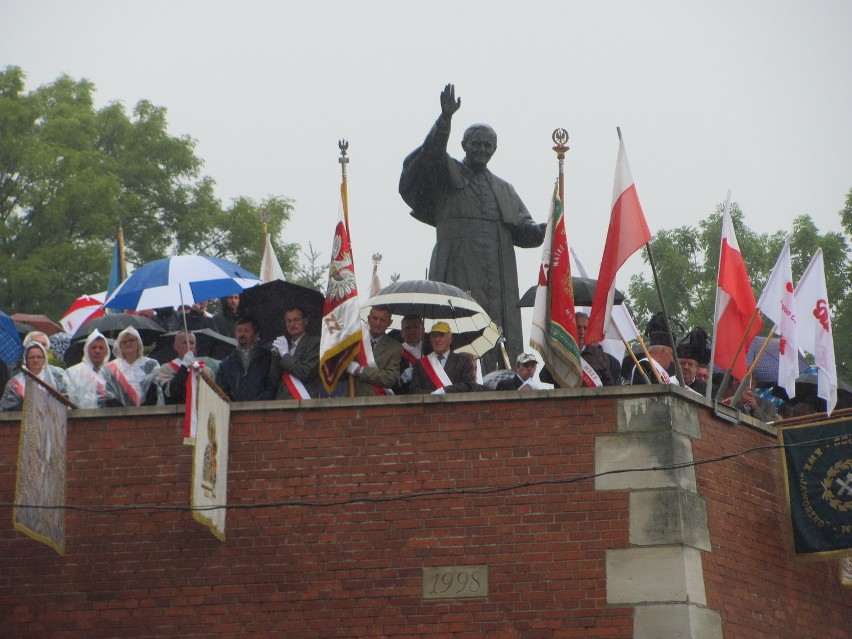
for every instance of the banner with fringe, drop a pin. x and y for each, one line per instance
(817, 465)
(40, 485)
(210, 459)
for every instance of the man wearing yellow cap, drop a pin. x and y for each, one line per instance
(442, 371)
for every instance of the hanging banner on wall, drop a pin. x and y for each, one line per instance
(210, 460)
(40, 485)
(817, 465)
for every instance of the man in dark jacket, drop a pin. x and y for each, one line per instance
(245, 374)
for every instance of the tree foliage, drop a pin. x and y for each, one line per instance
(687, 260)
(71, 174)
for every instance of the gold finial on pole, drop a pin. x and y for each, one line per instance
(560, 139)
(343, 145)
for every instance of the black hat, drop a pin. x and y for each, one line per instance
(695, 345)
(658, 330)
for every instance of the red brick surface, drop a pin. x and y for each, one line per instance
(750, 577)
(329, 529)
(339, 541)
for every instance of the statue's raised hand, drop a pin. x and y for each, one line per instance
(449, 103)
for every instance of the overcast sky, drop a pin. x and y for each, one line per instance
(754, 97)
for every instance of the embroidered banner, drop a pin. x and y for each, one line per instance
(40, 485)
(210, 460)
(817, 462)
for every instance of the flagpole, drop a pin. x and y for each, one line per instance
(560, 139)
(729, 372)
(264, 218)
(343, 145)
(122, 265)
(678, 370)
(709, 394)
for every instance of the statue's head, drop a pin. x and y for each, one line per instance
(479, 143)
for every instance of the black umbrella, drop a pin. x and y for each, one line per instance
(806, 393)
(495, 377)
(74, 353)
(208, 343)
(112, 324)
(584, 293)
(266, 302)
(473, 330)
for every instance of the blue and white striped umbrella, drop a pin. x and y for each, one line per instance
(10, 342)
(180, 280)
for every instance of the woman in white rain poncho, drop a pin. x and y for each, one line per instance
(131, 378)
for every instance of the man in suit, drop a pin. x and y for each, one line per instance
(295, 358)
(443, 371)
(377, 368)
(412, 350)
(525, 366)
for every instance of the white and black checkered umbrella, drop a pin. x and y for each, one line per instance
(473, 330)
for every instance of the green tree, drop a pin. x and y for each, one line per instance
(687, 261)
(70, 174)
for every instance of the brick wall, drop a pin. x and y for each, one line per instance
(338, 507)
(750, 577)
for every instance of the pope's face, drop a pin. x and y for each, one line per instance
(479, 148)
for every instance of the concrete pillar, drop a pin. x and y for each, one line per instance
(660, 574)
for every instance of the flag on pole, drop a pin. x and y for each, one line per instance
(778, 303)
(815, 335)
(628, 232)
(375, 283)
(270, 269)
(340, 337)
(735, 305)
(554, 325)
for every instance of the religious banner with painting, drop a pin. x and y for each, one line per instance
(817, 465)
(846, 571)
(210, 459)
(40, 487)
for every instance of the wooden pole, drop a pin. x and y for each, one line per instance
(122, 265)
(343, 145)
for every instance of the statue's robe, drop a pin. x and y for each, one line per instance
(478, 219)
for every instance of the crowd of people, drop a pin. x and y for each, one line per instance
(411, 361)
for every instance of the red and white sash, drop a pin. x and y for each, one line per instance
(123, 382)
(365, 358)
(190, 413)
(590, 377)
(662, 371)
(295, 386)
(434, 371)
